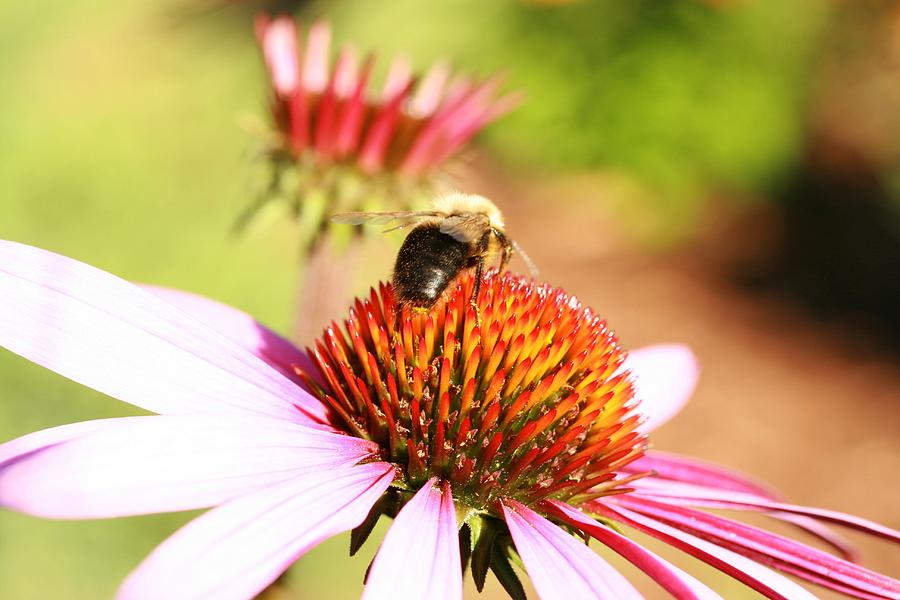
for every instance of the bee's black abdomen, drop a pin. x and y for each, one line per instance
(426, 264)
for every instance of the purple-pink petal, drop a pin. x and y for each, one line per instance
(760, 578)
(560, 567)
(141, 465)
(46, 438)
(830, 583)
(689, 495)
(675, 581)
(240, 328)
(419, 557)
(687, 469)
(237, 549)
(673, 470)
(767, 547)
(110, 335)
(664, 376)
(840, 544)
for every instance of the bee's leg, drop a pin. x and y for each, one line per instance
(473, 300)
(483, 245)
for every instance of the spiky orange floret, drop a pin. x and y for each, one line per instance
(527, 403)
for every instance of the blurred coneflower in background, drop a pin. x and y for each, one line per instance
(339, 145)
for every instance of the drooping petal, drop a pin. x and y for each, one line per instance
(116, 338)
(315, 60)
(760, 578)
(419, 557)
(346, 75)
(674, 470)
(490, 112)
(690, 495)
(377, 139)
(560, 567)
(428, 95)
(326, 120)
(352, 113)
(675, 581)
(278, 39)
(240, 328)
(140, 465)
(839, 543)
(398, 77)
(665, 376)
(428, 140)
(235, 550)
(769, 548)
(687, 469)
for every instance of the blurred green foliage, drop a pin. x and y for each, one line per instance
(677, 94)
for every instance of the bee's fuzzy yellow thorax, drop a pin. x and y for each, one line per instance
(459, 203)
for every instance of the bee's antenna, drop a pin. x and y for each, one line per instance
(532, 268)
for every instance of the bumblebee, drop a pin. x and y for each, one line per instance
(462, 232)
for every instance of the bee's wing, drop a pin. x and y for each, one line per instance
(360, 218)
(532, 268)
(405, 218)
(465, 227)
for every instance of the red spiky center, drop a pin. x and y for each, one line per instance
(528, 403)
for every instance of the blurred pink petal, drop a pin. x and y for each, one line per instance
(118, 339)
(140, 465)
(326, 123)
(433, 131)
(428, 95)
(689, 495)
(297, 115)
(760, 578)
(374, 148)
(346, 74)
(235, 550)
(474, 103)
(240, 328)
(671, 578)
(353, 113)
(477, 121)
(664, 378)
(560, 567)
(767, 548)
(419, 557)
(279, 45)
(315, 62)
(398, 78)
(456, 116)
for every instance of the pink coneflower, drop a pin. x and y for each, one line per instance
(483, 442)
(350, 146)
(340, 144)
